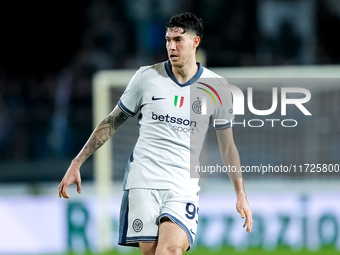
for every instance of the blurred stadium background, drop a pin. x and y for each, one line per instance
(50, 53)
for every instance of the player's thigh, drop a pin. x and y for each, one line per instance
(148, 248)
(172, 239)
(179, 214)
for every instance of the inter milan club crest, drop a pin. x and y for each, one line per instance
(197, 106)
(137, 225)
(178, 102)
(200, 106)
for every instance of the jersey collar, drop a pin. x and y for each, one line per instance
(192, 80)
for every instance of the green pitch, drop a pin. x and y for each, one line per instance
(231, 251)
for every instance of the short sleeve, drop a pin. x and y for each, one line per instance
(131, 99)
(223, 116)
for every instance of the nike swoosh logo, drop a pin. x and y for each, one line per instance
(192, 232)
(157, 98)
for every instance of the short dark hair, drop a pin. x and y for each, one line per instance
(188, 22)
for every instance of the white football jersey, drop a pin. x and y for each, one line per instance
(173, 122)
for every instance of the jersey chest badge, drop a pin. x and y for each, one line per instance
(178, 101)
(200, 106)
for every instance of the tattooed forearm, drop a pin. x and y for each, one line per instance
(102, 133)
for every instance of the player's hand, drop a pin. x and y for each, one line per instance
(243, 208)
(72, 176)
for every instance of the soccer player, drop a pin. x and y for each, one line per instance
(159, 210)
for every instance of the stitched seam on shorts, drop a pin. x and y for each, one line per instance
(141, 239)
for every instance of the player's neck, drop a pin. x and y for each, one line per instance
(186, 72)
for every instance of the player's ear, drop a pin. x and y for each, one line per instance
(196, 41)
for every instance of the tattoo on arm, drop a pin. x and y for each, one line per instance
(102, 133)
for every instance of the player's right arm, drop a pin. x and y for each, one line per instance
(104, 130)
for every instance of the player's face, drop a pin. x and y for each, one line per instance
(181, 47)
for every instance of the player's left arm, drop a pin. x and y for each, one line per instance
(230, 156)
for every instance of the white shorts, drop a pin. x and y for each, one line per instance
(142, 210)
